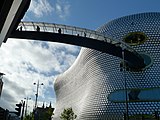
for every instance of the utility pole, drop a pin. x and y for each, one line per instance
(26, 105)
(37, 92)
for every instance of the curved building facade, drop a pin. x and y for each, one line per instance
(98, 86)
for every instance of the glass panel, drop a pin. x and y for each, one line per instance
(136, 95)
(135, 38)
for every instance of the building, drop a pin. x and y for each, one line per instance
(4, 114)
(43, 113)
(1, 83)
(99, 86)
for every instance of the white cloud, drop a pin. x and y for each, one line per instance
(26, 62)
(40, 7)
(60, 8)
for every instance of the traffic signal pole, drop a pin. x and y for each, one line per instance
(23, 110)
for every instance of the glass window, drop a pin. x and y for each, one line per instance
(135, 38)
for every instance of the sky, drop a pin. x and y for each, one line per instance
(27, 62)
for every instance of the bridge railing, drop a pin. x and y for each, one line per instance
(71, 30)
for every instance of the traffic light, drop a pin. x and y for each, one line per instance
(18, 109)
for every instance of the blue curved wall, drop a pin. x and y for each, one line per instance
(94, 85)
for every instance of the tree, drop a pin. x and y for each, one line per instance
(44, 115)
(47, 114)
(68, 114)
(29, 117)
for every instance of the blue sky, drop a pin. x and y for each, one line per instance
(93, 13)
(26, 62)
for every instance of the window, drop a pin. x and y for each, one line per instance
(135, 95)
(135, 38)
(148, 61)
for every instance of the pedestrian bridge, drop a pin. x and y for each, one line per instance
(80, 37)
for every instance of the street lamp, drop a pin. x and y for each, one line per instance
(125, 83)
(37, 91)
(26, 105)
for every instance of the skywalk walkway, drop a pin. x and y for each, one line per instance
(80, 37)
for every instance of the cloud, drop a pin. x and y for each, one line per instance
(40, 7)
(25, 62)
(62, 9)
(10, 89)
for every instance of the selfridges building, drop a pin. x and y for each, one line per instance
(99, 86)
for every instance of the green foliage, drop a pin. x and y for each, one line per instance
(68, 114)
(47, 115)
(29, 117)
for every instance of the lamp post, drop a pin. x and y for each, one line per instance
(125, 84)
(26, 105)
(37, 92)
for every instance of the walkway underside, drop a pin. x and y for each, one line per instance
(130, 57)
(11, 13)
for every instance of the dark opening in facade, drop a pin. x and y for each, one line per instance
(135, 38)
(148, 61)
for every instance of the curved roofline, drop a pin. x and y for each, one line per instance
(130, 16)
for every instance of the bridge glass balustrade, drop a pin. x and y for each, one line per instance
(71, 30)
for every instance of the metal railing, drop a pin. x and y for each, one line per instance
(71, 30)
